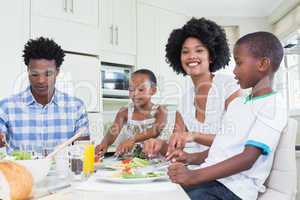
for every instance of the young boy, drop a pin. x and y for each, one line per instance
(241, 156)
(143, 118)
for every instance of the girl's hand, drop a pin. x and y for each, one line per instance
(178, 140)
(125, 147)
(101, 149)
(152, 147)
(178, 156)
(180, 174)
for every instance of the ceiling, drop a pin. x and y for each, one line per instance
(226, 8)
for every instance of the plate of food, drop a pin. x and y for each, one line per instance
(129, 171)
(130, 177)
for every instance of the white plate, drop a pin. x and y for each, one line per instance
(108, 176)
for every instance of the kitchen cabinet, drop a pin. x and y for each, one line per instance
(51, 18)
(80, 76)
(153, 28)
(118, 26)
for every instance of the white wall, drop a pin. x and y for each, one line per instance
(14, 33)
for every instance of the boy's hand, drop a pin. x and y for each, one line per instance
(178, 156)
(180, 174)
(125, 147)
(178, 140)
(2, 140)
(152, 147)
(101, 149)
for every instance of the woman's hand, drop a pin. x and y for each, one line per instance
(179, 156)
(180, 174)
(125, 147)
(178, 140)
(153, 147)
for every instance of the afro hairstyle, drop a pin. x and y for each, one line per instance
(43, 48)
(209, 33)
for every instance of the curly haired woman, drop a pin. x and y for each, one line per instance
(198, 50)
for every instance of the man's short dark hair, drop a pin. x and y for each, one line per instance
(43, 48)
(147, 72)
(263, 44)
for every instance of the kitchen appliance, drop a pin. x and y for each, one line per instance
(115, 80)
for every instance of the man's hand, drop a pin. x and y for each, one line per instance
(180, 174)
(2, 140)
(125, 147)
(152, 147)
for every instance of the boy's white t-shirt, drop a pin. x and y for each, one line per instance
(257, 122)
(223, 86)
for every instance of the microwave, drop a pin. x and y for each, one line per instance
(115, 80)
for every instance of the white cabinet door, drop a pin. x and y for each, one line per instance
(80, 76)
(125, 26)
(73, 24)
(48, 8)
(118, 26)
(78, 11)
(154, 26)
(107, 26)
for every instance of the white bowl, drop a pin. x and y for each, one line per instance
(39, 168)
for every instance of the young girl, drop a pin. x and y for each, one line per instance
(143, 118)
(198, 50)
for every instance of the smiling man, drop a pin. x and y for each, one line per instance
(41, 116)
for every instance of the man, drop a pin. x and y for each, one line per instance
(41, 117)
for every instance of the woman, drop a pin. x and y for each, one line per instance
(198, 50)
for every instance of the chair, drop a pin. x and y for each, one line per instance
(282, 181)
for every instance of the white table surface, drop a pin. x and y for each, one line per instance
(104, 190)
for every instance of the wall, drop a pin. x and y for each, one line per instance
(14, 34)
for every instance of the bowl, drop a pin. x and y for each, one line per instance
(39, 168)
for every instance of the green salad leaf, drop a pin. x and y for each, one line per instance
(21, 155)
(2, 155)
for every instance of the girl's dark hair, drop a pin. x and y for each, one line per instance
(209, 33)
(148, 73)
(43, 48)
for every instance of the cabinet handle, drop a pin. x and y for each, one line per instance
(65, 5)
(111, 34)
(72, 6)
(117, 35)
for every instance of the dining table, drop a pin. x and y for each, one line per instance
(55, 187)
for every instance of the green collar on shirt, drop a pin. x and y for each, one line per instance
(251, 98)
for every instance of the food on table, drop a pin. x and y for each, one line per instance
(138, 152)
(15, 181)
(21, 155)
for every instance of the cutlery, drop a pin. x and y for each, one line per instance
(66, 143)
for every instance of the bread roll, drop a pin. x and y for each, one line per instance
(15, 181)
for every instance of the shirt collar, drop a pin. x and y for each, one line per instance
(29, 99)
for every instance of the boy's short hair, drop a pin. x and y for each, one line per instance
(43, 48)
(147, 72)
(264, 44)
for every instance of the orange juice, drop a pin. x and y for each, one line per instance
(88, 159)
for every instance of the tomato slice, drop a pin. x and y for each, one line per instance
(126, 161)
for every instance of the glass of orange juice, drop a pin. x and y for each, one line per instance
(88, 159)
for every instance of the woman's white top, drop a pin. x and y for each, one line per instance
(223, 86)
